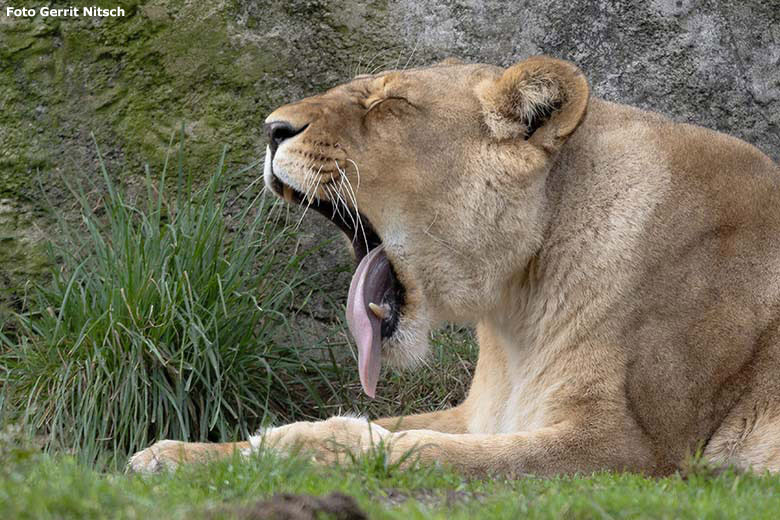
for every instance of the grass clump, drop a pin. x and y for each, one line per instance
(160, 322)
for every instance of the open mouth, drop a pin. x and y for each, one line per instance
(375, 293)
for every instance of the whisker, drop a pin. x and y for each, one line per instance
(381, 66)
(360, 61)
(398, 59)
(440, 240)
(351, 193)
(412, 54)
(341, 200)
(251, 184)
(378, 54)
(313, 182)
(357, 171)
(355, 218)
(336, 210)
(335, 201)
(309, 182)
(312, 185)
(329, 196)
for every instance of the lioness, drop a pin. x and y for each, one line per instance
(623, 270)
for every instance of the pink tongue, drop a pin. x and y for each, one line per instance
(369, 283)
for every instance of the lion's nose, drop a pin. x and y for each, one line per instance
(278, 131)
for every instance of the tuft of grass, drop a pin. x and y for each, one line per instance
(161, 321)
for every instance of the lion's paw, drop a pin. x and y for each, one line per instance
(326, 441)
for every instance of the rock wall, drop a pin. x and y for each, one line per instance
(219, 67)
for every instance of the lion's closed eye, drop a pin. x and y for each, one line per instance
(386, 102)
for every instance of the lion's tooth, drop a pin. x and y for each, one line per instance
(379, 312)
(287, 193)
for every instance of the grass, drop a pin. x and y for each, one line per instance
(34, 485)
(162, 320)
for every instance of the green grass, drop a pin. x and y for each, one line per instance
(33, 485)
(163, 320)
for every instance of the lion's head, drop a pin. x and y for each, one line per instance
(437, 176)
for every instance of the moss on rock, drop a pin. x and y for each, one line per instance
(215, 68)
(22, 253)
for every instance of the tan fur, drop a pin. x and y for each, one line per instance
(623, 270)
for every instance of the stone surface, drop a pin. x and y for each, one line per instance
(218, 68)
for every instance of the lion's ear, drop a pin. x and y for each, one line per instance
(540, 99)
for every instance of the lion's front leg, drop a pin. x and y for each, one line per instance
(333, 440)
(167, 454)
(560, 449)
